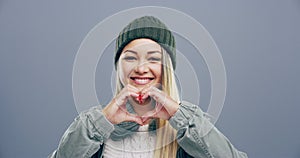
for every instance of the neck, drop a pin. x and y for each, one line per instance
(141, 109)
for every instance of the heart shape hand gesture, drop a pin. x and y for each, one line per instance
(165, 107)
(116, 111)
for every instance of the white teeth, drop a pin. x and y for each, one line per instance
(142, 81)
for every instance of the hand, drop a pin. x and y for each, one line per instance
(165, 107)
(116, 111)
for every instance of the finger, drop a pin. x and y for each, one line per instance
(146, 89)
(128, 88)
(145, 95)
(120, 99)
(123, 106)
(146, 119)
(157, 95)
(146, 92)
(132, 91)
(125, 93)
(133, 118)
(158, 107)
(139, 98)
(133, 94)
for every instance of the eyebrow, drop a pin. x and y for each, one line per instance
(134, 52)
(131, 51)
(152, 52)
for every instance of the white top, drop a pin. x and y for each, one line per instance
(141, 144)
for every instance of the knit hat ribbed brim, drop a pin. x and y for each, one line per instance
(147, 27)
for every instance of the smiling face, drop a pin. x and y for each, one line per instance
(141, 63)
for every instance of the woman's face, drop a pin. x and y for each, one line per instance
(141, 63)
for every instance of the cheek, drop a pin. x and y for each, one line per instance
(126, 69)
(157, 70)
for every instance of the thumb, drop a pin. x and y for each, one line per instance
(133, 118)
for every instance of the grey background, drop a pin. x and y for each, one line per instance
(259, 42)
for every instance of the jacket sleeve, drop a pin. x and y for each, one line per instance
(84, 136)
(198, 136)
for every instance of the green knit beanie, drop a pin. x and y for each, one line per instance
(147, 27)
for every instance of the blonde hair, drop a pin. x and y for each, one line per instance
(166, 144)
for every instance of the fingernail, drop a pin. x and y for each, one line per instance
(136, 95)
(145, 96)
(140, 98)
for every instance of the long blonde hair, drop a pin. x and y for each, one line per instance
(166, 144)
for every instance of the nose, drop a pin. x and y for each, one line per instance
(142, 68)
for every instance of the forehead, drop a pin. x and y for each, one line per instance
(142, 45)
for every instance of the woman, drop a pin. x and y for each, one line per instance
(145, 118)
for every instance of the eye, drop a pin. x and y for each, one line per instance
(130, 58)
(154, 59)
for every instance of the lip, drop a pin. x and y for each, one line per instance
(141, 80)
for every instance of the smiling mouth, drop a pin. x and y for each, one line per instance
(141, 80)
